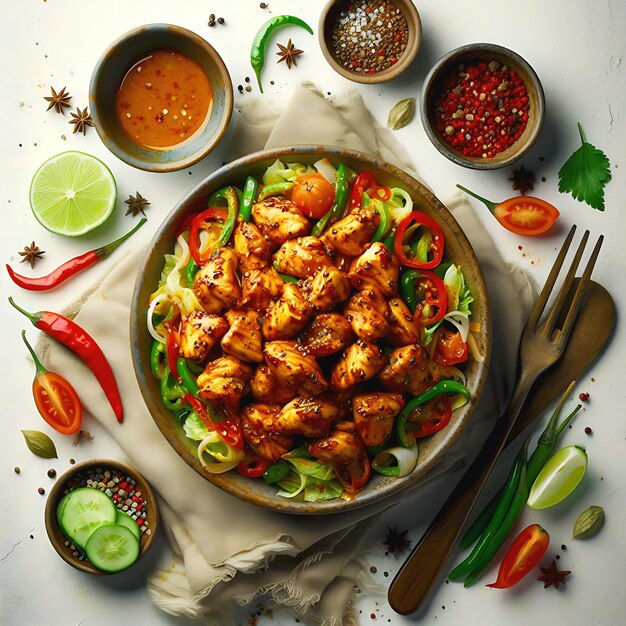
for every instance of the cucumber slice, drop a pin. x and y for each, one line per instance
(123, 519)
(86, 509)
(112, 548)
(61, 506)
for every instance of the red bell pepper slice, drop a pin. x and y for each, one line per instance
(431, 293)
(366, 181)
(198, 222)
(172, 344)
(253, 465)
(432, 416)
(355, 474)
(522, 556)
(437, 243)
(450, 349)
(229, 429)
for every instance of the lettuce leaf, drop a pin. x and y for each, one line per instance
(459, 296)
(170, 262)
(278, 172)
(194, 428)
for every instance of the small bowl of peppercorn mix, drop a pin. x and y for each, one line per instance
(130, 495)
(482, 106)
(370, 41)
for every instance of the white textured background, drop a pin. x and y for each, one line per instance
(577, 48)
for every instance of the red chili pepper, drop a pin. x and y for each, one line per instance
(432, 416)
(523, 555)
(437, 243)
(228, 429)
(70, 268)
(363, 182)
(431, 292)
(450, 349)
(172, 344)
(79, 341)
(253, 465)
(214, 213)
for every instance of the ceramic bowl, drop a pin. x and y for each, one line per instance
(484, 52)
(457, 246)
(61, 487)
(327, 21)
(107, 77)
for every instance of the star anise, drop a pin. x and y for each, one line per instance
(31, 254)
(288, 54)
(397, 542)
(81, 119)
(58, 100)
(523, 180)
(136, 204)
(553, 577)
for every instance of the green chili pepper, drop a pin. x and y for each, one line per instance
(510, 519)
(158, 360)
(231, 196)
(388, 241)
(465, 567)
(336, 210)
(285, 277)
(442, 268)
(188, 379)
(386, 470)
(172, 393)
(275, 189)
(249, 197)
(276, 472)
(423, 246)
(190, 272)
(407, 288)
(385, 220)
(449, 387)
(257, 52)
(537, 460)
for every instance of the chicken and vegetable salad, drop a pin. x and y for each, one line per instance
(308, 329)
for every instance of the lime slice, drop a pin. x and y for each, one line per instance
(558, 478)
(72, 193)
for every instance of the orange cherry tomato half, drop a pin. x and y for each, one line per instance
(524, 554)
(57, 403)
(450, 349)
(313, 195)
(526, 215)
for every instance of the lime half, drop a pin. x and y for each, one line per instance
(72, 193)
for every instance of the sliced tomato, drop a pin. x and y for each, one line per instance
(526, 215)
(355, 474)
(313, 195)
(253, 465)
(58, 403)
(431, 417)
(450, 349)
(524, 554)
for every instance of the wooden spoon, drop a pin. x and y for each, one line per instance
(591, 331)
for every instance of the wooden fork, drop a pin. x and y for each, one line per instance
(540, 347)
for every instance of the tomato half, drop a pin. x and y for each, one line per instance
(431, 417)
(57, 403)
(526, 215)
(450, 349)
(313, 195)
(524, 554)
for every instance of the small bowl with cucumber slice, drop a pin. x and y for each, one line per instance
(101, 516)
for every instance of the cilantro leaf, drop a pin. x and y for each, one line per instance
(585, 174)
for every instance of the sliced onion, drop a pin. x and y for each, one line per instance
(397, 213)
(304, 481)
(327, 170)
(456, 402)
(173, 279)
(473, 347)
(218, 466)
(446, 371)
(153, 305)
(406, 458)
(460, 321)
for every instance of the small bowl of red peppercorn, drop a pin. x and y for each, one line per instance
(124, 498)
(482, 106)
(370, 41)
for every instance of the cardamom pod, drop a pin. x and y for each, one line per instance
(40, 444)
(401, 114)
(588, 523)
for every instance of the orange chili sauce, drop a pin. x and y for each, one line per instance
(163, 100)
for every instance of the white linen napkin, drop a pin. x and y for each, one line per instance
(311, 563)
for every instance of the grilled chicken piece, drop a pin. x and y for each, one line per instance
(367, 312)
(251, 247)
(360, 362)
(352, 234)
(373, 415)
(243, 339)
(340, 448)
(225, 380)
(302, 257)
(288, 315)
(311, 417)
(327, 288)
(377, 268)
(294, 369)
(407, 371)
(327, 334)
(216, 284)
(402, 329)
(265, 387)
(279, 220)
(256, 420)
(259, 287)
(200, 332)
